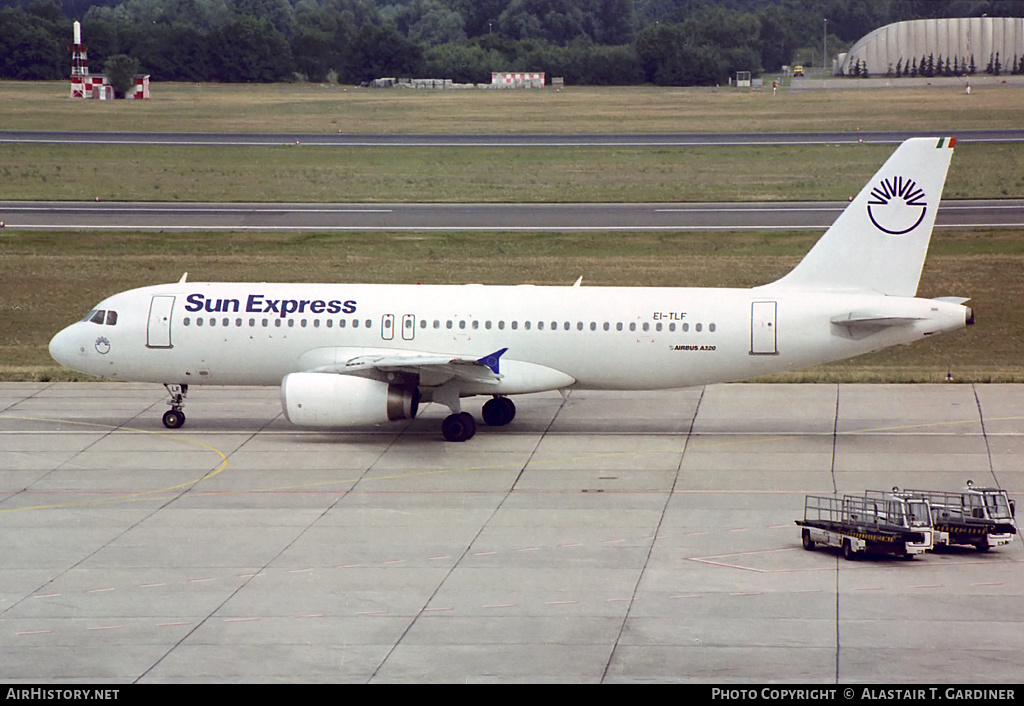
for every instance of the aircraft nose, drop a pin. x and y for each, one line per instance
(65, 348)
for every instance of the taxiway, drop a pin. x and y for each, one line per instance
(607, 537)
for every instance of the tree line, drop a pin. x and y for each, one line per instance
(956, 66)
(587, 42)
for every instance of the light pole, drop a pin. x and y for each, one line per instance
(824, 51)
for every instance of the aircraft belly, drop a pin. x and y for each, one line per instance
(663, 361)
(206, 361)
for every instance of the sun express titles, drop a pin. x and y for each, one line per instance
(259, 304)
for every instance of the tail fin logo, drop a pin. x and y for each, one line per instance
(899, 204)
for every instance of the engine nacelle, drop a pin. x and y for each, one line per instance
(329, 400)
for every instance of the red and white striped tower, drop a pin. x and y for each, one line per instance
(79, 64)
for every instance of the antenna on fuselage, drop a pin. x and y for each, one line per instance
(183, 278)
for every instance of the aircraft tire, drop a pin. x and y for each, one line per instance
(458, 427)
(174, 419)
(498, 411)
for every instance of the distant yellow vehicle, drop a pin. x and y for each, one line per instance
(798, 70)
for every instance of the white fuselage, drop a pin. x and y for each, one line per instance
(349, 354)
(588, 337)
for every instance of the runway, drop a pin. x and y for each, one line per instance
(505, 217)
(607, 537)
(170, 217)
(340, 139)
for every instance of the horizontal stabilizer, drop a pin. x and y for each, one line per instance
(866, 320)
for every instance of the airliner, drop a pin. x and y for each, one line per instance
(349, 355)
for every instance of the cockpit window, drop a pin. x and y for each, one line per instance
(102, 316)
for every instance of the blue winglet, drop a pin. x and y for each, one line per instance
(491, 360)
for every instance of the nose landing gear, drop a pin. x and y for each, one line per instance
(174, 417)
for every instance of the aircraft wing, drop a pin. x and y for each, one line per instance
(430, 369)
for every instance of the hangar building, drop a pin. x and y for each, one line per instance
(957, 38)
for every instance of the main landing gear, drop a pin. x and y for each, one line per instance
(174, 417)
(498, 411)
(460, 426)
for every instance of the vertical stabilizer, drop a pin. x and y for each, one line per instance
(878, 244)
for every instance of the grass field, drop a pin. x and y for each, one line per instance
(331, 108)
(300, 173)
(49, 280)
(478, 175)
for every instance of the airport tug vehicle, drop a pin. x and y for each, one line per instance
(855, 524)
(979, 516)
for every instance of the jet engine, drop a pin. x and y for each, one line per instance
(329, 400)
